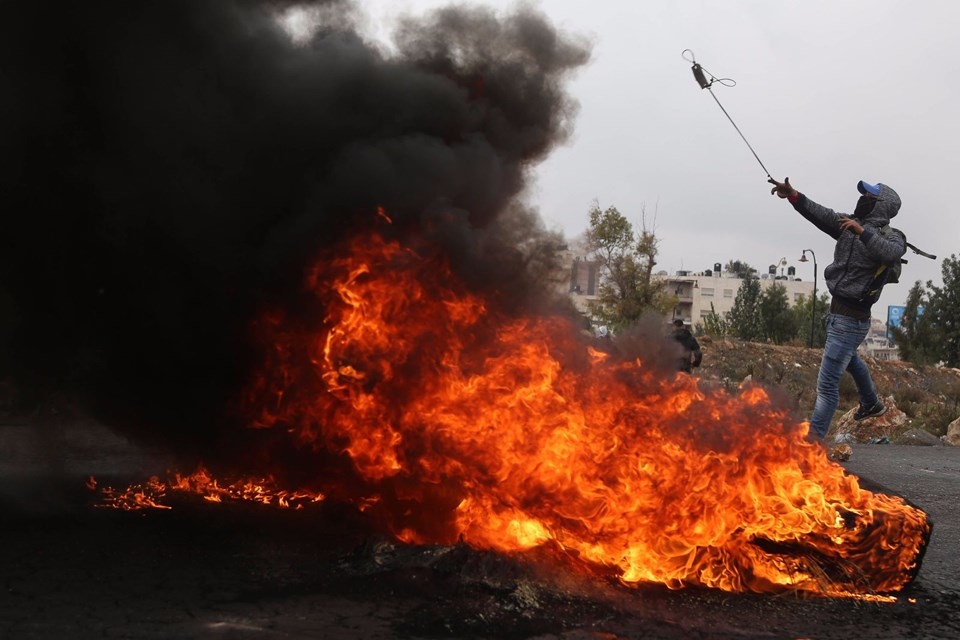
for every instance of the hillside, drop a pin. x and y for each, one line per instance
(928, 396)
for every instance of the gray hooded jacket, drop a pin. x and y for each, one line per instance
(852, 276)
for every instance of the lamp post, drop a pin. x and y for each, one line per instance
(780, 264)
(813, 302)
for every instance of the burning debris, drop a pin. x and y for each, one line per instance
(840, 453)
(508, 433)
(450, 420)
(152, 493)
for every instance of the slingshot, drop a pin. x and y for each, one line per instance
(701, 76)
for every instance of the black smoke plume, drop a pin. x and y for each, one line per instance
(168, 169)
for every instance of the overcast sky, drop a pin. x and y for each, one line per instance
(827, 93)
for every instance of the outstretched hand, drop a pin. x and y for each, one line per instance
(782, 189)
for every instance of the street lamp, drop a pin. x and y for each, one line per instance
(781, 263)
(813, 303)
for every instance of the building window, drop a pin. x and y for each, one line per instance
(706, 292)
(728, 293)
(704, 313)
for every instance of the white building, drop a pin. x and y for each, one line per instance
(695, 292)
(698, 293)
(876, 344)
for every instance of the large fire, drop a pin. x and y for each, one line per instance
(461, 423)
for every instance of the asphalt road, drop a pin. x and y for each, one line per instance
(69, 570)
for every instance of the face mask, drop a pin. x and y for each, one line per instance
(864, 206)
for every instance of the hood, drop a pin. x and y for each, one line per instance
(887, 207)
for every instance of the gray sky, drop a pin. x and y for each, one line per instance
(827, 93)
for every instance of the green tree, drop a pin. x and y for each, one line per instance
(929, 330)
(944, 312)
(626, 259)
(777, 321)
(744, 317)
(916, 337)
(742, 270)
(807, 318)
(713, 325)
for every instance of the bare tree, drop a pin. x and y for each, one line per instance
(626, 259)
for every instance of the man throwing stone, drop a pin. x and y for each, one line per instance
(865, 247)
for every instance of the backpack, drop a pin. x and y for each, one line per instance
(890, 273)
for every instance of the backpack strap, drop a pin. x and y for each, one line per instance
(885, 229)
(921, 253)
(879, 279)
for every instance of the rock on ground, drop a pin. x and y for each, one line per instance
(888, 426)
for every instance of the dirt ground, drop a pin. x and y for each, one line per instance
(240, 571)
(930, 396)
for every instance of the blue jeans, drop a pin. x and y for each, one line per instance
(844, 335)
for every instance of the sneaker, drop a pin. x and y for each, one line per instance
(878, 409)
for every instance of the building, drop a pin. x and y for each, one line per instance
(714, 289)
(584, 277)
(876, 345)
(695, 292)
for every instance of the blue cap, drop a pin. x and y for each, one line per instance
(867, 188)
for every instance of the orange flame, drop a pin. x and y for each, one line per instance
(153, 493)
(509, 432)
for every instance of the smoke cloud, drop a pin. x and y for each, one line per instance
(170, 168)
